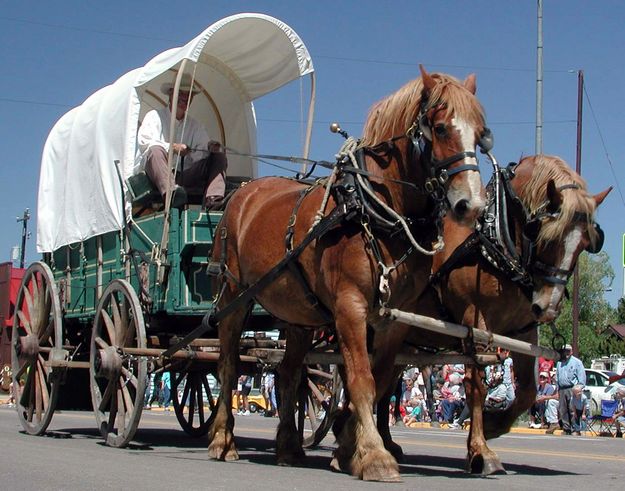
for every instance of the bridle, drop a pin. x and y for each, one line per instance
(438, 171)
(551, 274)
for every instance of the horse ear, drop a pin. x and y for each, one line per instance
(428, 81)
(553, 196)
(601, 196)
(470, 84)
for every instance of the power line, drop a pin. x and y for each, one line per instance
(605, 149)
(35, 103)
(403, 63)
(89, 30)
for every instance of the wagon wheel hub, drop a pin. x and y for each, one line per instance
(108, 363)
(28, 346)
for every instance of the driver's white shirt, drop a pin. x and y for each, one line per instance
(155, 129)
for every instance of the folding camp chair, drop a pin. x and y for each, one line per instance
(605, 420)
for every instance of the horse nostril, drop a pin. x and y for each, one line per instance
(461, 208)
(536, 310)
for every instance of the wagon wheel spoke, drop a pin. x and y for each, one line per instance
(32, 300)
(110, 328)
(131, 333)
(209, 395)
(21, 371)
(45, 334)
(46, 309)
(128, 404)
(38, 396)
(192, 398)
(113, 408)
(185, 394)
(200, 404)
(106, 397)
(25, 321)
(41, 372)
(117, 322)
(101, 343)
(130, 377)
(125, 322)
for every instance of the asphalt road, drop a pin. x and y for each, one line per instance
(72, 457)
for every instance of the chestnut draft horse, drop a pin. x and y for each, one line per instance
(417, 158)
(518, 285)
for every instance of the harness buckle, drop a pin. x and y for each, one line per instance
(443, 176)
(431, 185)
(384, 286)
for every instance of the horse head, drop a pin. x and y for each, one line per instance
(437, 122)
(559, 228)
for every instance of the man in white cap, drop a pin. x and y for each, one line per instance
(569, 373)
(203, 163)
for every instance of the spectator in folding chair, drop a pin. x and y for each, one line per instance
(619, 414)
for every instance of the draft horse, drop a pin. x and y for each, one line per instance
(504, 276)
(317, 255)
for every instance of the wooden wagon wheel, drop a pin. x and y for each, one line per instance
(117, 380)
(37, 336)
(193, 401)
(322, 403)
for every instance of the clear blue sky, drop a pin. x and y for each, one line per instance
(55, 54)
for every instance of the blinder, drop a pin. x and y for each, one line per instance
(420, 135)
(487, 140)
(596, 248)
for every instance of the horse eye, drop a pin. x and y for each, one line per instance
(440, 130)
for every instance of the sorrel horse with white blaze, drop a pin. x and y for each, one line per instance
(552, 222)
(417, 158)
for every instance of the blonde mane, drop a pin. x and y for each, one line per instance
(395, 114)
(534, 195)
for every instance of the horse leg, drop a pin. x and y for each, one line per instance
(386, 345)
(288, 443)
(221, 436)
(499, 423)
(382, 420)
(370, 460)
(480, 458)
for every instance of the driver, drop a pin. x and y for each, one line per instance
(202, 166)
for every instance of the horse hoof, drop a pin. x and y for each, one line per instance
(335, 466)
(486, 467)
(382, 468)
(492, 467)
(218, 452)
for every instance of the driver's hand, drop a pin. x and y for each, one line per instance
(181, 149)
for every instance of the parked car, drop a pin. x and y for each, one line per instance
(598, 387)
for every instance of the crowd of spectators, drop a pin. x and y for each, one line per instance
(446, 404)
(560, 399)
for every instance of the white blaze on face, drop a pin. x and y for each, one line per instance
(467, 137)
(571, 243)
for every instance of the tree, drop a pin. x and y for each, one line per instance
(595, 313)
(620, 311)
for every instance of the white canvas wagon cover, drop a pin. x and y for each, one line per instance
(234, 61)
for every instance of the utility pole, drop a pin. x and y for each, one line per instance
(539, 82)
(24, 219)
(578, 169)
